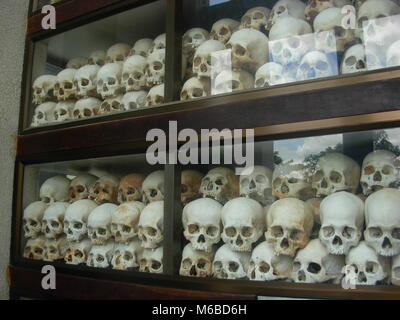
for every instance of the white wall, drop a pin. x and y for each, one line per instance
(13, 14)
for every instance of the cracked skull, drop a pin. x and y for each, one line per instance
(77, 252)
(127, 255)
(100, 255)
(125, 219)
(196, 263)
(151, 260)
(80, 187)
(220, 184)
(105, 190)
(229, 264)
(85, 108)
(130, 188)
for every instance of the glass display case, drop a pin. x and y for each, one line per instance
(308, 209)
(112, 65)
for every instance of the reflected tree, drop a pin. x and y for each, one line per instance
(277, 158)
(382, 142)
(311, 160)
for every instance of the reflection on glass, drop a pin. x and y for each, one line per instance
(95, 213)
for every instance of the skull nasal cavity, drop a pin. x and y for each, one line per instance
(201, 239)
(285, 243)
(386, 243)
(337, 241)
(377, 176)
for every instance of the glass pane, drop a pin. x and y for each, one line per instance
(102, 213)
(239, 45)
(113, 65)
(321, 209)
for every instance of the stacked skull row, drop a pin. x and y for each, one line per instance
(239, 55)
(123, 78)
(80, 222)
(307, 239)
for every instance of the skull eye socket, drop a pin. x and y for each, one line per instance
(212, 231)
(100, 259)
(295, 234)
(296, 266)
(78, 254)
(114, 226)
(318, 176)
(258, 15)
(247, 232)
(202, 264)
(371, 267)
(78, 225)
(155, 265)
(128, 256)
(375, 232)
(223, 32)
(293, 180)
(187, 263)
(80, 189)
(197, 61)
(125, 76)
(230, 231)
(76, 113)
(387, 170)
(111, 81)
(350, 61)
(264, 267)
(348, 232)
(197, 92)
(261, 179)
(277, 232)
(328, 231)
(219, 182)
(380, 21)
(335, 177)
(55, 224)
(396, 233)
(87, 112)
(294, 42)
(277, 182)
(184, 95)
(277, 47)
(369, 170)
(233, 266)
(130, 191)
(33, 223)
(361, 21)
(157, 66)
(102, 231)
(322, 65)
(240, 51)
(184, 188)
(217, 266)
(126, 229)
(151, 231)
(235, 85)
(314, 268)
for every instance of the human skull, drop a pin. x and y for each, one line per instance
(223, 29)
(284, 8)
(354, 60)
(230, 264)
(130, 188)
(342, 222)
(118, 52)
(44, 114)
(376, 25)
(255, 18)
(266, 266)
(98, 58)
(127, 255)
(196, 263)
(249, 49)
(155, 71)
(291, 181)
(151, 225)
(134, 73)
(80, 186)
(190, 184)
(383, 222)
(53, 219)
(77, 63)
(63, 111)
(43, 89)
(393, 55)
(201, 221)
(243, 223)
(99, 223)
(256, 183)
(153, 187)
(236, 80)
(54, 189)
(32, 219)
(220, 184)
(203, 65)
(270, 74)
(64, 87)
(76, 219)
(133, 100)
(314, 264)
(100, 256)
(125, 219)
(86, 108)
(142, 47)
(195, 88)
(77, 252)
(314, 65)
(379, 170)
(290, 222)
(55, 249)
(192, 39)
(151, 260)
(111, 105)
(368, 267)
(336, 172)
(395, 274)
(290, 39)
(85, 81)
(34, 248)
(105, 189)
(155, 96)
(159, 43)
(109, 80)
(339, 38)
(314, 7)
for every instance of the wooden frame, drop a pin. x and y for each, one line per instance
(340, 104)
